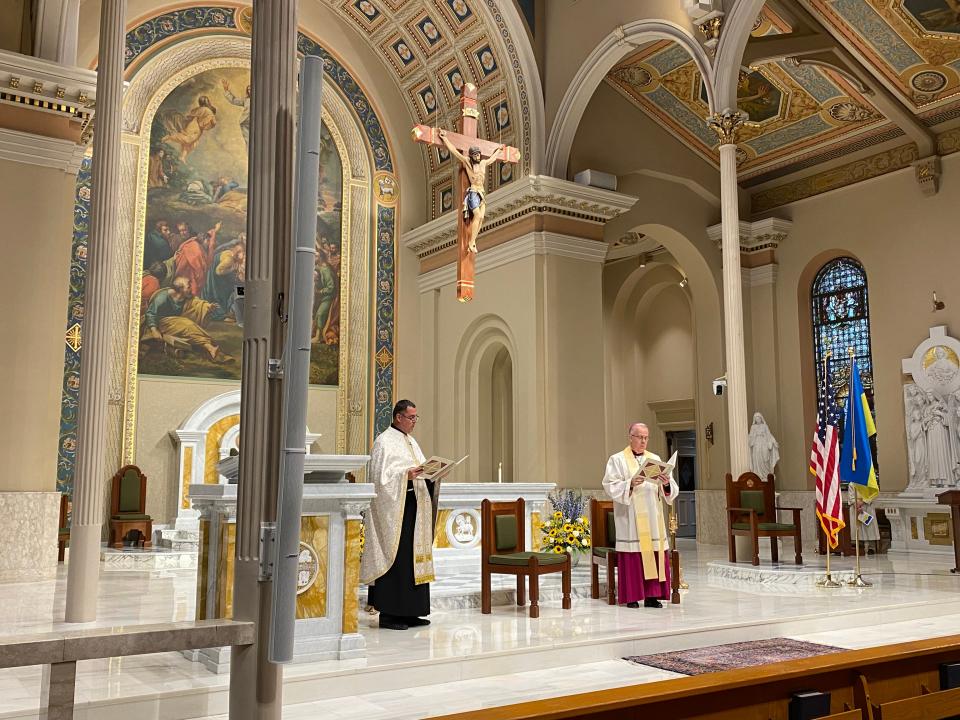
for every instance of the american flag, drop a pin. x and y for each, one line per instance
(824, 464)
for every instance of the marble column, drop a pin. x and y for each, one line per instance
(727, 126)
(256, 684)
(83, 573)
(57, 25)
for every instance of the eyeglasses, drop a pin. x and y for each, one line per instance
(412, 418)
(640, 437)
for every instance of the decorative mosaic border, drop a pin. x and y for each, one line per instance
(168, 28)
(70, 399)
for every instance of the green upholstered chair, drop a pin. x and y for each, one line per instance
(502, 541)
(63, 527)
(128, 498)
(603, 533)
(752, 512)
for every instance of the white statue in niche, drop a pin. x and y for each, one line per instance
(764, 448)
(940, 462)
(914, 402)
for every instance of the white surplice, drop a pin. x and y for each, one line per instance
(638, 513)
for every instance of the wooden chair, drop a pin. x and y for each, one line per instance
(63, 527)
(752, 512)
(128, 499)
(502, 540)
(603, 532)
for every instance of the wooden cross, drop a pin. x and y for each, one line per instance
(463, 140)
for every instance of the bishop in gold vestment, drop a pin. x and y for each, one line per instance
(643, 565)
(397, 562)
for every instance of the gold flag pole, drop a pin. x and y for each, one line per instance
(827, 581)
(858, 580)
(673, 525)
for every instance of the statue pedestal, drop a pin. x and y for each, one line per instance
(327, 593)
(457, 539)
(917, 522)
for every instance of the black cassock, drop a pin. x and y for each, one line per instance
(394, 592)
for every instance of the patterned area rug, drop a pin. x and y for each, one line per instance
(733, 656)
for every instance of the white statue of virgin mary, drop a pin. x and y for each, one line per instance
(764, 448)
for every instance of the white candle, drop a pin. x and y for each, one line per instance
(500, 472)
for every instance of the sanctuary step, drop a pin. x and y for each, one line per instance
(134, 559)
(174, 539)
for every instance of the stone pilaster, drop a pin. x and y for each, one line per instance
(255, 684)
(84, 567)
(727, 126)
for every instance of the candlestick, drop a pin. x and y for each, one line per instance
(500, 472)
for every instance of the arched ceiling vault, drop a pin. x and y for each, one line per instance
(431, 48)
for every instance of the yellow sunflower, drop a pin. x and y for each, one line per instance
(558, 549)
(567, 527)
(571, 539)
(558, 515)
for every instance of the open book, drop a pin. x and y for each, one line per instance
(437, 467)
(651, 468)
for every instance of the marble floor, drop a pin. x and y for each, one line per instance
(467, 660)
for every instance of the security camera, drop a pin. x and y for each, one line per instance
(718, 385)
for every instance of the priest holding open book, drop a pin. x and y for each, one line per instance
(397, 562)
(639, 482)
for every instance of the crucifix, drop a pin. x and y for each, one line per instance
(474, 155)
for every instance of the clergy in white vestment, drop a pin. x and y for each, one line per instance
(397, 562)
(643, 564)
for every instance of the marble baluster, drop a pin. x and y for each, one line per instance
(727, 126)
(84, 564)
(255, 684)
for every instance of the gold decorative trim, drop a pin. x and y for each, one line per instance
(211, 449)
(351, 576)
(185, 474)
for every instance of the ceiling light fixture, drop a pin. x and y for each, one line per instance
(683, 283)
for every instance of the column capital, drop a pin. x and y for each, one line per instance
(755, 237)
(727, 125)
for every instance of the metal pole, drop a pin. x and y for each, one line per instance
(255, 683)
(828, 581)
(297, 365)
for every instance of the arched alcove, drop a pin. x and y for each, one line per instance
(485, 400)
(496, 414)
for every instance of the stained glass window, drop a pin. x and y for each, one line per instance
(841, 322)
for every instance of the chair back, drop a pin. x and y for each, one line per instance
(128, 492)
(603, 530)
(749, 491)
(502, 528)
(63, 522)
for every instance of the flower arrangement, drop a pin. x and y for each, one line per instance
(566, 529)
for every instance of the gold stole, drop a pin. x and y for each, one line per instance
(651, 564)
(423, 527)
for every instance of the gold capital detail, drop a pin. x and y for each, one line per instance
(727, 125)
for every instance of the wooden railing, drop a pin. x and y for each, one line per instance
(891, 682)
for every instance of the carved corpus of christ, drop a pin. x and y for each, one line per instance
(474, 155)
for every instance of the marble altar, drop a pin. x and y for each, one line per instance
(330, 543)
(457, 539)
(932, 424)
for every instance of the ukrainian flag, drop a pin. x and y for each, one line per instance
(856, 461)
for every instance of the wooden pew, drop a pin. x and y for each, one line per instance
(889, 682)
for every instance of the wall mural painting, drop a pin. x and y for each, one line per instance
(194, 249)
(935, 15)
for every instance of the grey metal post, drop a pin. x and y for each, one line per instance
(256, 683)
(296, 364)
